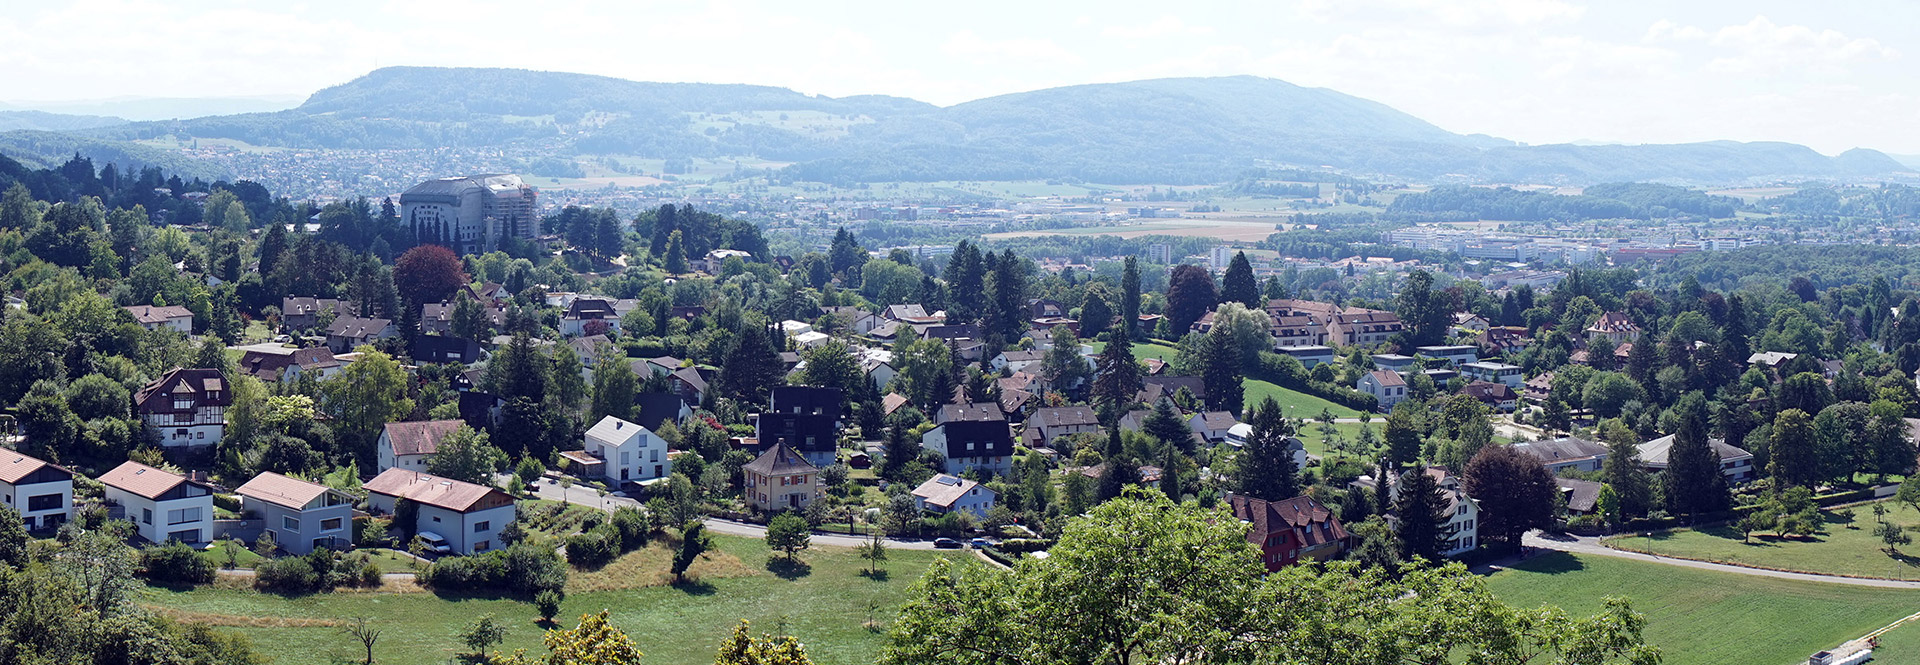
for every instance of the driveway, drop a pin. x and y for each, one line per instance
(1591, 545)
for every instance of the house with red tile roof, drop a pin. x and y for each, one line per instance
(1291, 530)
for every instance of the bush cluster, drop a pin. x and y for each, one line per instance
(601, 541)
(524, 568)
(319, 570)
(175, 563)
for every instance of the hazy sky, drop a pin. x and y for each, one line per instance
(1832, 75)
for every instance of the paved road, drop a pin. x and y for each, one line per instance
(1591, 545)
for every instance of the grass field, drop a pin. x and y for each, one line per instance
(1900, 646)
(1296, 404)
(1702, 617)
(1161, 352)
(824, 605)
(1838, 549)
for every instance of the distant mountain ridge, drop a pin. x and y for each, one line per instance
(1177, 130)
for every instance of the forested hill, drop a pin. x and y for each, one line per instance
(1192, 130)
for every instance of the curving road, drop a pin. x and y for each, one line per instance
(1591, 545)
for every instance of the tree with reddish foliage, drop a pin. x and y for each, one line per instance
(429, 274)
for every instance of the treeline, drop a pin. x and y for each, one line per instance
(1606, 201)
(1886, 202)
(1824, 267)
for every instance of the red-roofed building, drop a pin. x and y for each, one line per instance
(466, 516)
(1290, 531)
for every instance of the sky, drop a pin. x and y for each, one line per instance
(1831, 75)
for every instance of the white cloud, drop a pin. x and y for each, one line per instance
(968, 44)
(1165, 26)
(1468, 14)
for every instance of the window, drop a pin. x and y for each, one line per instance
(44, 502)
(289, 523)
(185, 515)
(482, 527)
(483, 546)
(436, 518)
(330, 524)
(146, 515)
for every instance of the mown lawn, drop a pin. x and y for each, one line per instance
(1294, 403)
(1837, 549)
(825, 605)
(1161, 352)
(1698, 616)
(1900, 646)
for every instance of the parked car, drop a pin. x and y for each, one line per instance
(980, 543)
(435, 543)
(946, 543)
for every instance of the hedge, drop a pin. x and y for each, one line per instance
(523, 569)
(175, 563)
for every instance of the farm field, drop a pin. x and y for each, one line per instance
(824, 605)
(1248, 231)
(1838, 549)
(1702, 617)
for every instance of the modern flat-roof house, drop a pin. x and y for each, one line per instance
(1494, 372)
(1455, 354)
(154, 318)
(1735, 464)
(807, 419)
(945, 493)
(187, 408)
(468, 516)
(348, 332)
(1290, 530)
(1395, 362)
(303, 516)
(780, 479)
(410, 445)
(1384, 385)
(622, 452)
(41, 491)
(1565, 453)
(1308, 355)
(162, 506)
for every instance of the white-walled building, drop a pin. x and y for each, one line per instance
(42, 492)
(1384, 385)
(187, 408)
(471, 214)
(626, 452)
(173, 317)
(162, 506)
(410, 445)
(945, 493)
(468, 516)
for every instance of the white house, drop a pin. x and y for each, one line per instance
(1212, 425)
(1735, 464)
(1463, 512)
(410, 445)
(583, 312)
(303, 516)
(627, 452)
(187, 408)
(468, 516)
(42, 492)
(1384, 385)
(154, 318)
(811, 339)
(162, 506)
(1014, 361)
(1494, 372)
(944, 494)
(1453, 354)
